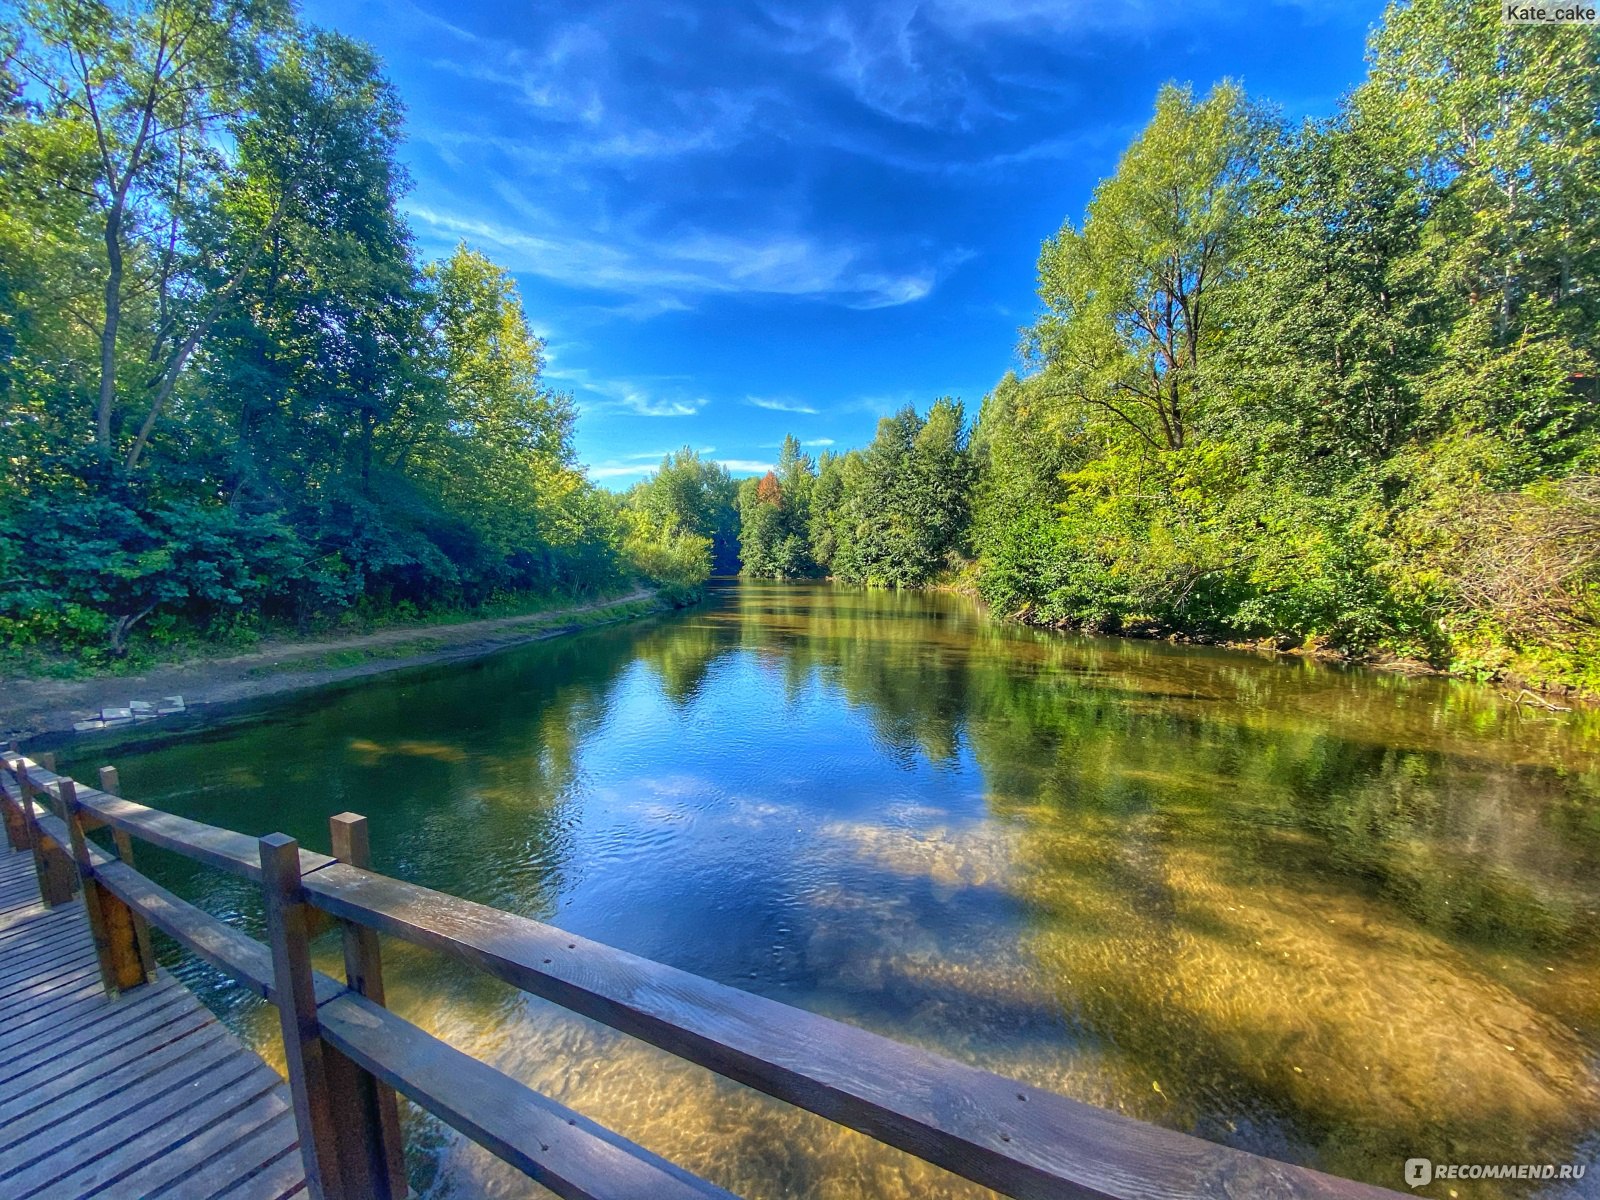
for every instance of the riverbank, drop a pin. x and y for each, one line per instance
(1516, 677)
(32, 708)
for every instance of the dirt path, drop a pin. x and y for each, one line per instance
(34, 707)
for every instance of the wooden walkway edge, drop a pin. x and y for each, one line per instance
(143, 1096)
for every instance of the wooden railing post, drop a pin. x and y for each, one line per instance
(16, 826)
(363, 971)
(57, 879)
(337, 1136)
(111, 921)
(110, 784)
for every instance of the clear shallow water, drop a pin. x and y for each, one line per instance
(1338, 917)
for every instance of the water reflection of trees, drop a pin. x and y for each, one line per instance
(450, 766)
(1438, 802)
(1319, 913)
(1293, 904)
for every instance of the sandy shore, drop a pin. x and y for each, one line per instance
(33, 708)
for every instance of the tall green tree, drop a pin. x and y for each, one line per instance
(1331, 322)
(1131, 298)
(690, 493)
(500, 441)
(775, 517)
(152, 90)
(902, 502)
(1497, 122)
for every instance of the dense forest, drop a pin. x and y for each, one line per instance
(233, 395)
(1332, 384)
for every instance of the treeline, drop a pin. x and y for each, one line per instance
(1332, 383)
(233, 394)
(891, 514)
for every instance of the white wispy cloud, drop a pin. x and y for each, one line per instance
(817, 442)
(778, 404)
(658, 397)
(660, 271)
(746, 466)
(617, 471)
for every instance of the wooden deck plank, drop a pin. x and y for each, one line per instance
(90, 1079)
(27, 966)
(25, 925)
(274, 1182)
(84, 1019)
(22, 961)
(238, 1106)
(104, 1036)
(140, 1095)
(125, 1148)
(71, 1006)
(40, 1122)
(170, 1090)
(49, 977)
(237, 1163)
(27, 997)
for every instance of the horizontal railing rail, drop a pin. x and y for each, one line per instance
(347, 1054)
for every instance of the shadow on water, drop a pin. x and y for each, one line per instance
(1337, 917)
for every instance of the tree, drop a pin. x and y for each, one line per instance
(775, 517)
(902, 502)
(500, 440)
(689, 493)
(295, 419)
(150, 87)
(1331, 322)
(1497, 123)
(1130, 298)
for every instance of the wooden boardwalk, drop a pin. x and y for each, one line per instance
(147, 1095)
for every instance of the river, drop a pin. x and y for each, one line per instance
(1335, 916)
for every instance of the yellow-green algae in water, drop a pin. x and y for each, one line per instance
(1334, 916)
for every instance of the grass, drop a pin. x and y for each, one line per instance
(38, 662)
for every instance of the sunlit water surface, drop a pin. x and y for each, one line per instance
(1333, 916)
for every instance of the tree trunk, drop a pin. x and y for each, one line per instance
(108, 332)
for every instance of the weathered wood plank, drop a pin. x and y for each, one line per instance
(556, 1147)
(217, 1057)
(237, 1107)
(17, 992)
(199, 1055)
(24, 1027)
(25, 961)
(234, 853)
(111, 922)
(115, 1138)
(356, 1089)
(235, 954)
(117, 1079)
(1018, 1140)
(88, 1079)
(275, 1181)
(101, 1037)
(332, 1111)
(51, 986)
(264, 1145)
(23, 921)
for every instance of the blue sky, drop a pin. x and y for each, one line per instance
(734, 221)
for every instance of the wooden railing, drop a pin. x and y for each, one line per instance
(347, 1055)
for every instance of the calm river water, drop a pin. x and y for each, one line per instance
(1338, 917)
